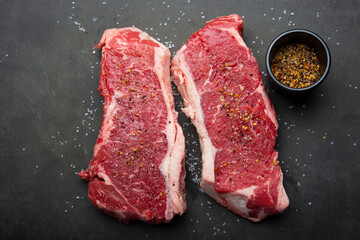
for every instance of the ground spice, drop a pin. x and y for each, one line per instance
(296, 66)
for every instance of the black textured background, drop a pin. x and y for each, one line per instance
(51, 113)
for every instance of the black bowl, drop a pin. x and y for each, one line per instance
(311, 40)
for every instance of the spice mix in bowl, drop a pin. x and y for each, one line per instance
(297, 61)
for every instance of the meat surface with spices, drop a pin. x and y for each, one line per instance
(137, 171)
(224, 96)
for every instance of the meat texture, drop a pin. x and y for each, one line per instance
(137, 171)
(225, 98)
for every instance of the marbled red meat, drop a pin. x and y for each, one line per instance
(137, 171)
(225, 98)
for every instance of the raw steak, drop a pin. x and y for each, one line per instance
(225, 98)
(137, 171)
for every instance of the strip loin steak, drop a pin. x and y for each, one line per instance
(225, 98)
(137, 171)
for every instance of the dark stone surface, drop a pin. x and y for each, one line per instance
(51, 113)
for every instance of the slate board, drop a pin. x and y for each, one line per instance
(51, 113)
